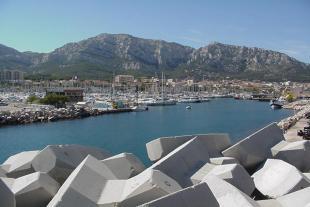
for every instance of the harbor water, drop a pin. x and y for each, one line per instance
(129, 132)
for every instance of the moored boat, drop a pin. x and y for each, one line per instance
(275, 104)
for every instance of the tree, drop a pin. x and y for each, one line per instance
(33, 99)
(55, 100)
(290, 97)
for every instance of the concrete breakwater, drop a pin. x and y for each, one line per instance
(48, 113)
(261, 170)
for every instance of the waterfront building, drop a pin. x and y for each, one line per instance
(11, 76)
(124, 79)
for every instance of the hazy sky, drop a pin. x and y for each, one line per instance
(43, 25)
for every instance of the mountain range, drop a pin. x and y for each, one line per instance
(106, 54)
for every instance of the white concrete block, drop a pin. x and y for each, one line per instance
(2, 172)
(8, 181)
(34, 190)
(215, 144)
(147, 186)
(298, 198)
(92, 184)
(20, 164)
(234, 174)
(60, 160)
(184, 161)
(160, 147)
(124, 165)
(255, 149)
(223, 160)
(295, 153)
(278, 178)
(269, 203)
(7, 198)
(227, 195)
(198, 195)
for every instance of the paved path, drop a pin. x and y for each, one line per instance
(291, 133)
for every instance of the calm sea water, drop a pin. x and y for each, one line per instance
(129, 132)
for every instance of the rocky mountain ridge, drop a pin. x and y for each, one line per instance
(105, 54)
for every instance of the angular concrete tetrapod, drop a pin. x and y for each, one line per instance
(2, 172)
(184, 161)
(198, 195)
(227, 195)
(7, 198)
(34, 190)
(214, 143)
(91, 184)
(223, 160)
(269, 203)
(298, 198)
(295, 153)
(255, 149)
(234, 174)
(60, 160)
(278, 178)
(148, 185)
(20, 164)
(124, 165)
(160, 147)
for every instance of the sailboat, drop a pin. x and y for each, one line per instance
(163, 101)
(139, 107)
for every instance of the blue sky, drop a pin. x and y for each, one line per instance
(43, 25)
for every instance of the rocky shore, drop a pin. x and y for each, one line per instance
(204, 170)
(34, 114)
(302, 108)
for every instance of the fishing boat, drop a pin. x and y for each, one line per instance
(275, 104)
(189, 107)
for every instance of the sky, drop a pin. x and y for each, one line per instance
(44, 25)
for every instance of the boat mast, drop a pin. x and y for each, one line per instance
(162, 86)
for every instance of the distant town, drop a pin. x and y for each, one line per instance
(13, 81)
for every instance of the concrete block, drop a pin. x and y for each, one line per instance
(223, 160)
(124, 165)
(269, 203)
(255, 149)
(227, 195)
(298, 198)
(295, 153)
(20, 164)
(8, 181)
(2, 172)
(158, 148)
(307, 175)
(184, 161)
(234, 174)
(34, 190)
(198, 195)
(214, 143)
(7, 198)
(60, 160)
(147, 186)
(278, 178)
(92, 184)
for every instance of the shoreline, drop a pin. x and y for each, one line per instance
(43, 114)
(301, 108)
